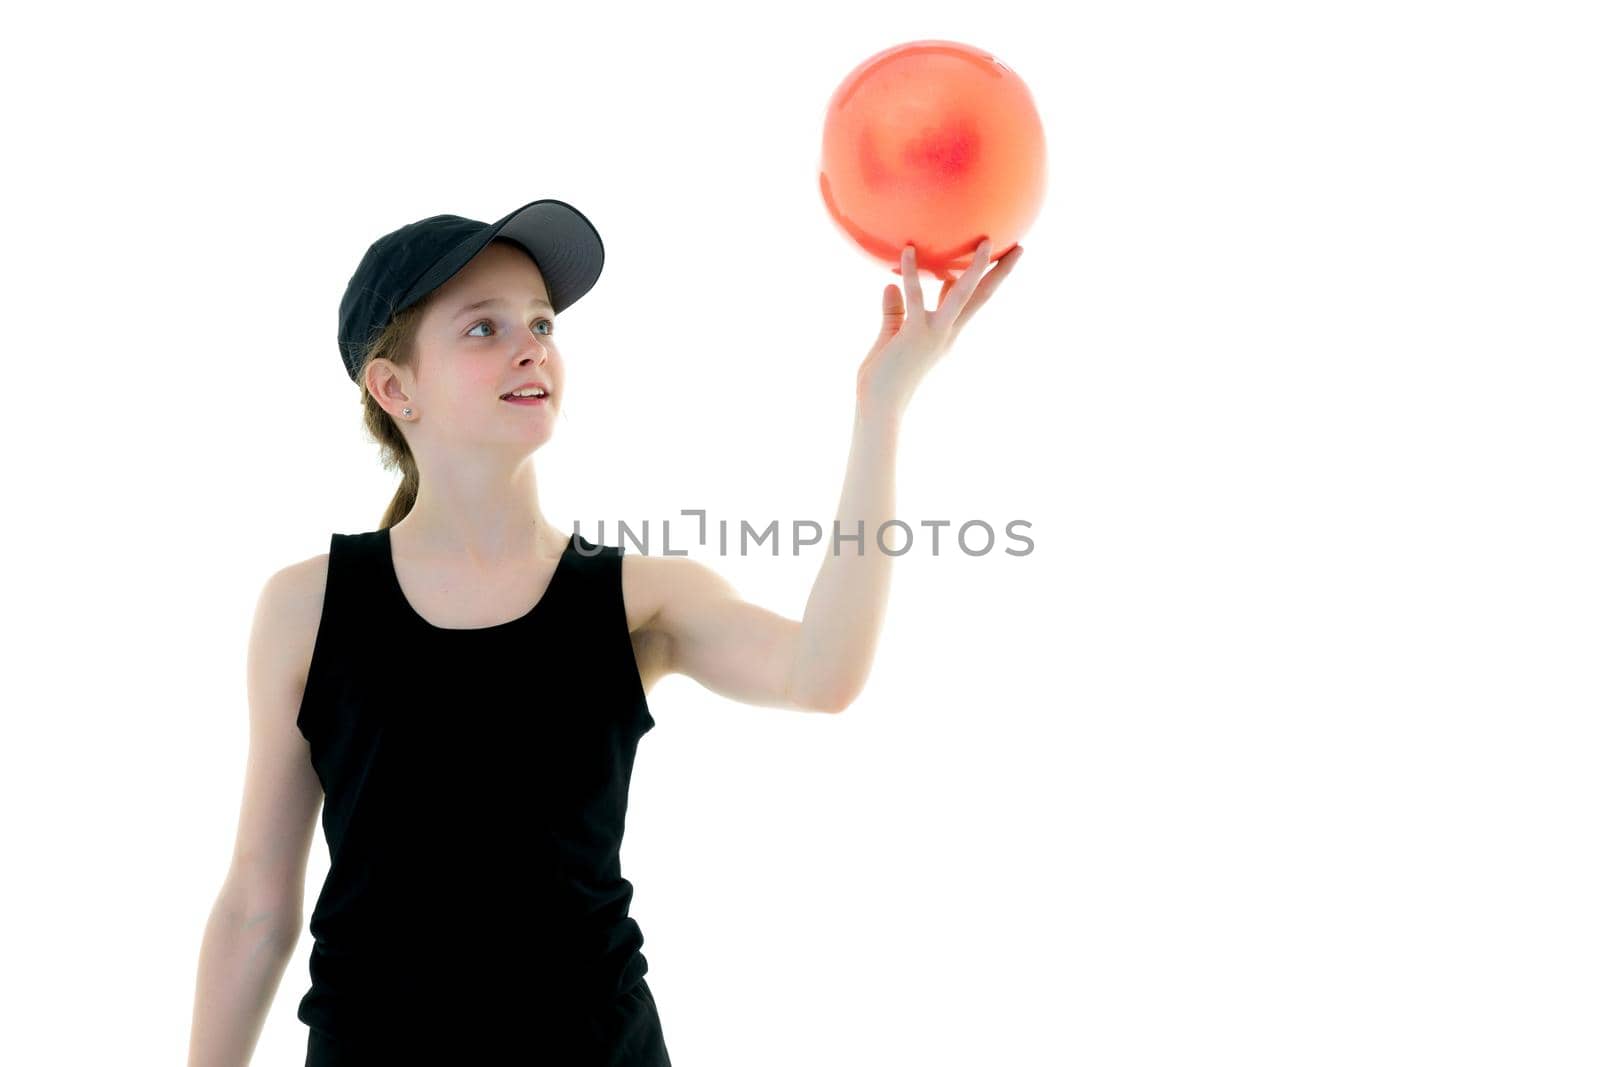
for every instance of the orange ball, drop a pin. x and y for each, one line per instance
(935, 144)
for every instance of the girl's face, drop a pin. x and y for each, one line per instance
(487, 331)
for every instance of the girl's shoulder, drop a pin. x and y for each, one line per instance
(288, 615)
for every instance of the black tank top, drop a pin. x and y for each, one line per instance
(476, 785)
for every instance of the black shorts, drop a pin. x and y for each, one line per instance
(627, 1033)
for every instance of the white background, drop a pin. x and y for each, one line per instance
(1280, 746)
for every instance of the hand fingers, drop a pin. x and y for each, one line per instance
(987, 285)
(908, 270)
(950, 309)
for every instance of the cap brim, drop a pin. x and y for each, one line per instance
(559, 238)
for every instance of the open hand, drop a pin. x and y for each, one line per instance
(909, 344)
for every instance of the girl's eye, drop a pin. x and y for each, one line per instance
(486, 322)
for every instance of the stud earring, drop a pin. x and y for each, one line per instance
(406, 412)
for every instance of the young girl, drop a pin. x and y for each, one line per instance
(463, 690)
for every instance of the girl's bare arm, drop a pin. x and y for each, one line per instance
(255, 922)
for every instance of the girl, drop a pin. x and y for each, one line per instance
(462, 691)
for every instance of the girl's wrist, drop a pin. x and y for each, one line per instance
(878, 415)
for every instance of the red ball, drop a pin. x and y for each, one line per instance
(935, 144)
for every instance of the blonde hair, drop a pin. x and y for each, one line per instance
(397, 344)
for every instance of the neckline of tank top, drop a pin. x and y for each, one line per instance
(393, 581)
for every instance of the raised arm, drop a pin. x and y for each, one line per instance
(821, 662)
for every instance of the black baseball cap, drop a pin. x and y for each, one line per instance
(404, 266)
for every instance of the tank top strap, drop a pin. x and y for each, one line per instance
(355, 611)
(354, 588)
(329, 653)
(363, 571)
(594, 574)
(598, 610)
(591, 560)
